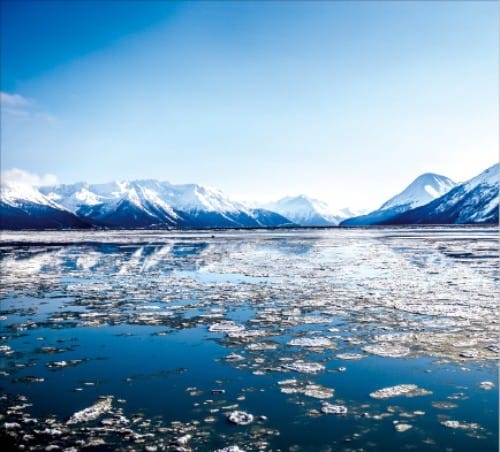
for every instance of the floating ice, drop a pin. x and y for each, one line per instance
(318, 392)
(243, 334)
(311, 342)
(234, 357)
(387, 350)
(389, 314)
(350, 356)
(407, 390)
(232, 448)
(262, 346)
(57, 364)
(11, 425)
(402, 427)
(226, 327)
(486, 385)
(240, 417)
(328, 408)
(304, 367)
(461, 425)
(52, 432)
(183, 440)
(92, 412)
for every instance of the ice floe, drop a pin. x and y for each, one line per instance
(486, 385)
(328, 408)
(350, 356)
(226, 327)
(387, 350)
(402, 427)
(311, 342)
(406, 390)
(92, 412)
(240, 417)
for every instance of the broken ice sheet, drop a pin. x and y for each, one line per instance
(260, 298)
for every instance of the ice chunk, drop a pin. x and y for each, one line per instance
(349, 356)
(234, 357)
(240, 417)
(183, 440)
(11, 426)
(92, 412)
(305, 367)
(225, 327)
(486, 385)
(461, 425)
(407, 390)
(311, 342)
(232, 448)
(401, 427)
(328, 408)
(387, 350)
(262, 346)
(318, 392)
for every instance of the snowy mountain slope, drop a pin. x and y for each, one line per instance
(150, 203)
(306, 211)
(24, 207)
(101, 202)
(421, 191)
(473, 202)
(17, 195)
(154, 204)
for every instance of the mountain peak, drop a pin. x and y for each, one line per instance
(423, 189)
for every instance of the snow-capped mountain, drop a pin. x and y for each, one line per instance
(115, 204)
(154, 204)
(151, 204)
(475, 201)
(421, 191)
(306, 211)
(23, 206)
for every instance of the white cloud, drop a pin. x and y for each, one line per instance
(13, 100)
(16, 106)
(16, 176)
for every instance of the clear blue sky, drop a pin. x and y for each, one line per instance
(344, 101)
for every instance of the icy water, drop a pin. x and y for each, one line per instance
(310, 340)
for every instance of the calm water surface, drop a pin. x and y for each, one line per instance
(177, 330)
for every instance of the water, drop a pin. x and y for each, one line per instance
(137, 315)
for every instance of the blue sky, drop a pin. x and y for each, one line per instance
(344, 101)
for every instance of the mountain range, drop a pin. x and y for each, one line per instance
(305, 211)
(434, 199)
(429, 199)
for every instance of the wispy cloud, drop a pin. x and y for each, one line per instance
(16, 106)
(14, 100)
(16, 176)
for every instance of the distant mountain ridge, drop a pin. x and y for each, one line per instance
(421, 191)
(129, 204)
(429, 199)
(305, 211)
(475, 201)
